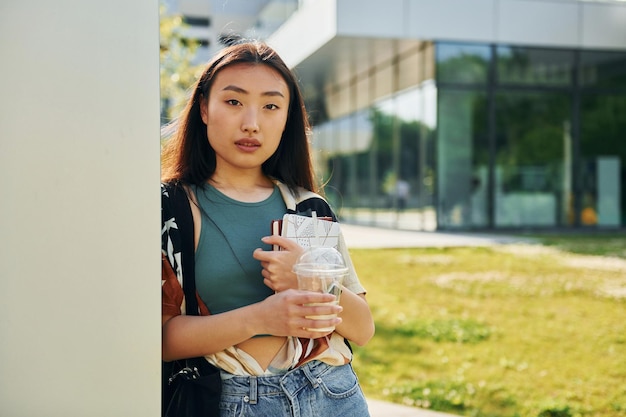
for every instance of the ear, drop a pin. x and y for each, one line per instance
(204, 111)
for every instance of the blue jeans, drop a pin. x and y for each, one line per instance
(314, 389)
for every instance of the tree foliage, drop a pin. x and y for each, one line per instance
(177, 70)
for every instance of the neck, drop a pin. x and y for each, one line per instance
(246, 188)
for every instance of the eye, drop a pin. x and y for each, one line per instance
(233, 102)
(271, 107)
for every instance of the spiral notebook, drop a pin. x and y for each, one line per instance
(302, 229)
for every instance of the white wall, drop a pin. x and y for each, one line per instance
(549, 23)
(604, 26)
(534, 22)
(552, 23)
(314, 24)
(79, 215)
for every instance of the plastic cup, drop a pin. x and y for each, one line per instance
(321, 270)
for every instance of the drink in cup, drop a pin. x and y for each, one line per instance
(321, 269)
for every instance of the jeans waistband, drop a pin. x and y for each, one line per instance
(252, 387)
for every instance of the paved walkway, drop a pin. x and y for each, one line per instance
(370, 237)
(385, 409)
(373, 237)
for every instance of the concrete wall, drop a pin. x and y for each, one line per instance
(549, 23)
(556, 23)
(306, 31)
(79, 217)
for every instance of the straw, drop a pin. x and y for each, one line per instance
(316, 241)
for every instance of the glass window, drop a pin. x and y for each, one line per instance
(383, 125)
(378, 152)
(398, 165)
(462, 63)
(462, 159)
(410, 193)
(603, 160)
(519, 65)
(533, 160)
(603, 69)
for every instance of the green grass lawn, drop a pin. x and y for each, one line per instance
(514, 330)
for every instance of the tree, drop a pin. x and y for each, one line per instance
(177, 71)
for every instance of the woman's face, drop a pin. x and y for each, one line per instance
(245, 114)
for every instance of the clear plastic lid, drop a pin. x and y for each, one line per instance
(320, 259)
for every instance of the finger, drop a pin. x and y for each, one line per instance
(307, 334)
(321, 309)
(320, 327)
(310, 297)
(269, 284)
(283, 242)
(262, 255)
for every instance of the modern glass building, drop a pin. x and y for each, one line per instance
(466, 115)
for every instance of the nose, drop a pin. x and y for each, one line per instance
(250, 122)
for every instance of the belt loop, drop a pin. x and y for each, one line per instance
(308, 373)
(253, 390)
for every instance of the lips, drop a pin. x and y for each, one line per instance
(248, 145)
(253, 143)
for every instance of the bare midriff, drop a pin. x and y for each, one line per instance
(263, 349)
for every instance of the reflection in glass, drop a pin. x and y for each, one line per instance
(378, 160)
(603, 160)
(533, 157)
(402, 157)
(463, 159)
(603, 69)
(390, 147)
(519, 65)
(462, 63)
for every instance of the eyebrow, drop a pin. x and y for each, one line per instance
(242, 91)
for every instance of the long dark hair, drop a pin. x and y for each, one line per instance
(188, 157)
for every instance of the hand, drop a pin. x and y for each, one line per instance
(278, 265)
(285, 313)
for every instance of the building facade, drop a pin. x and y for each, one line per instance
(192, 31)
(207, 21)
(458, 115)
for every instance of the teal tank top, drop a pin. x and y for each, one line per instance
(227, 276)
